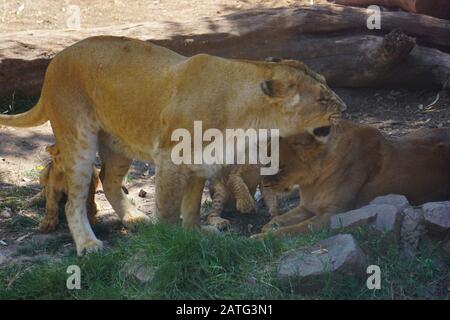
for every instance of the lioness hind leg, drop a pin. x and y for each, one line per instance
(114, 168)
(77, 160)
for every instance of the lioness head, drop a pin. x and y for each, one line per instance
(302, 96)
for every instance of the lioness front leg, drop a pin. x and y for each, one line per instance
(114, 169)
(171, 183)
(292, 217)
(192, 199)
(312, 224)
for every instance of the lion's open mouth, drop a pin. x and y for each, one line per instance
(322, 131)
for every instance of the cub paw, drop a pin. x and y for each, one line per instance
(246, 204)
(48, 225)
(218, 222)
(131, 221)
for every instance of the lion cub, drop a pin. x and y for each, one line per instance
(54, 190)
(233, 189)
(354, 165)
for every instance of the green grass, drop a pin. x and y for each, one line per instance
(193, 265)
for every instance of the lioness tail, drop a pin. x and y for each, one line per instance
(32, 118)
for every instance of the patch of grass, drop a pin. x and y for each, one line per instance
(50, 246)
(32, 174)
(16, 197)
(21, 222)
(194, 265)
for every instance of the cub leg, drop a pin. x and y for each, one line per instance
(91, 205)
(245, 202)
(114, 168)
(192, 199)
(220, 196)
(52, 198)
(271, 200)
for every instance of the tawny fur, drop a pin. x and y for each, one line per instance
(126, 97)
(54, 190)
(356, 165)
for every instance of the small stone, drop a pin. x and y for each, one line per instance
(437, 216)
(3, 259)
(6, 213)
(399, 201)
(307, 269)
(142, 193)
(140, 271)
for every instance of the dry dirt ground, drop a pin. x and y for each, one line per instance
(22, 151)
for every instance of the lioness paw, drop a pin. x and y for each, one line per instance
(90, 247)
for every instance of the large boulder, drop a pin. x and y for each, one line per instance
(396, 200)
(411, 231)
(383, 217)
(305, 270)
(437, 216)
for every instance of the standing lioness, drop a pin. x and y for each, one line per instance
(126, 97)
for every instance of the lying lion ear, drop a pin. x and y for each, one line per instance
(274, 88)
(267, 88)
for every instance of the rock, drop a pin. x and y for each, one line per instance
(411, 232)
(437, 216)
(6, 213)
(382, 216)
(307, 269)
(139, 270)
(142, 193)
(399, 201)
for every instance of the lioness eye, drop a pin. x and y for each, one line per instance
(322, 131)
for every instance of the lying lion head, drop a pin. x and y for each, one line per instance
(300, 159)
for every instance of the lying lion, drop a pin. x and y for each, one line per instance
(126, 97)
(234, 188)
(54, 191)
(356, 165)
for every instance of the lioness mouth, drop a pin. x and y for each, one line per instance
(322, 131)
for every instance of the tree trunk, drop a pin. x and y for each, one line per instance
(306, 32)
(435, 8)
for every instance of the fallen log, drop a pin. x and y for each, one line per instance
(255, 34)
(436, 8)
